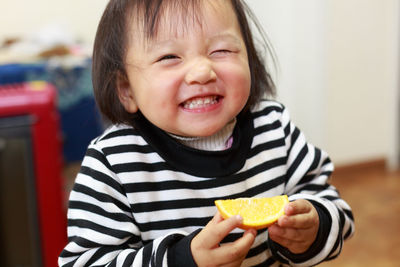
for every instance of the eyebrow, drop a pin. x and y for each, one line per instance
(154, 45)
(226, 35)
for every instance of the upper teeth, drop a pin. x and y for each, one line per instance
(198, 102)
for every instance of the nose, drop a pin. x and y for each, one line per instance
(200, 71)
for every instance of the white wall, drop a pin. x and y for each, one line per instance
(297, 33)
(339, 72)
(338, 64)
(362, 79)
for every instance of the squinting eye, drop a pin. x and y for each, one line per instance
(222, 51)
(167, 57)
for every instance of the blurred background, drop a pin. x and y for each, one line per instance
(337, 72)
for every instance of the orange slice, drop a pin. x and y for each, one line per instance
(257, 213)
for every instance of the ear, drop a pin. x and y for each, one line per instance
(125, 94)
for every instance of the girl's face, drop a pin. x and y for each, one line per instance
(193, 77)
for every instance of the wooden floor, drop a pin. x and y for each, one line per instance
(374, 196)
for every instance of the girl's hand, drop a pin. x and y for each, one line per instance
(298, 228)
(205, 246)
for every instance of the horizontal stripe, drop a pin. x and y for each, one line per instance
(265, 111)
(202, 184)
(103, 178)
(100, 196)
(140, 166)
(85, 224)
(266, 146)
(267, 127)
(119, 132)
(127, 194)
(176, 223)
(84, 206)
(128, 148)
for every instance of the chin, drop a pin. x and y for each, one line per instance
(208, 131)
(200, 129)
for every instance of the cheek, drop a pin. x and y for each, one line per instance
(240, 81)
(159, 101)
(164, 93)
(158, 90)
(241, 94)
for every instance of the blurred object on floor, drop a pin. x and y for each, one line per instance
(49, 41)
(32, 221)
(66, 66)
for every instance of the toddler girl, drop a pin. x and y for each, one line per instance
(183, 85)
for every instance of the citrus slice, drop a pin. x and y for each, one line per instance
(257, 213)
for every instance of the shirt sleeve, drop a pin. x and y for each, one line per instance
(101, 228)
(308, 173)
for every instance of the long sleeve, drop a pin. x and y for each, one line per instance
(139, 201)
(101, 228)
(308, 172)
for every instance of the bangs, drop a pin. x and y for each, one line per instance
(149, 15)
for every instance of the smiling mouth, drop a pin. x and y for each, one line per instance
(201, 102)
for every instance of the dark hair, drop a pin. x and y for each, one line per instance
(112, 39)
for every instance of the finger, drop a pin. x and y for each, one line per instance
(203, 236)
(302, 221)
(237, 250)
(217, 229)
(292, 234)
(216, 219)
(292, 245)
(302, 215)
(299, 206)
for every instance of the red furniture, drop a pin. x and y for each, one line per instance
(32, 212)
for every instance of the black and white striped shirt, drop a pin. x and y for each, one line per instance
(141, 196)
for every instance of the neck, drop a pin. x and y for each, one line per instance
(219, 141)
